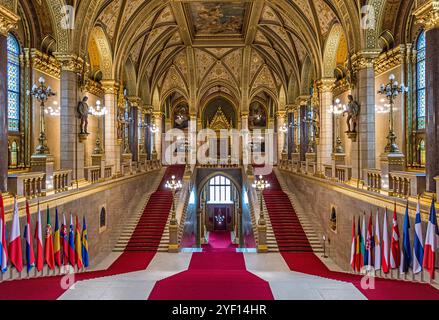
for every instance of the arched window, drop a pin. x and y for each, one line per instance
(420, 81)
(13, 84)
(220, 190)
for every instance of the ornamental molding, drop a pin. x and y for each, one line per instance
(219, 121)
(110, 86)
(428, 15)
(364, 59)
(134, 101)
(45, 63)
(302, 100)
(326, 84)
(341, 87)
(94, 88)
(390, 59)
(8, 21)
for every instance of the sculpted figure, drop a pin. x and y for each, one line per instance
(353, 110)
(83, 112)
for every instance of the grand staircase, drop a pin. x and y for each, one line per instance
(148, 231)
(291, 233)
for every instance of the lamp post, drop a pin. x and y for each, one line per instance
(337, 108)
(260, 185)
(42, 93)
(98, 112)
(391, 91)
(173, 185)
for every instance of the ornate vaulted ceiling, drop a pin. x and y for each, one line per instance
(197, 47)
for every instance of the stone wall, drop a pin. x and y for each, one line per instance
(121, 199)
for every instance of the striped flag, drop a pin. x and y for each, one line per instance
(48, 243)
(78, 245)
(418, 247)
(30, 257)
(431, 239)
(15, 252)
(385, 247)
(85, 258)
(369, 243)
(3, 244)
(57, 241)
(395, 251)
(64, 241)
(363, 241)
(39, 238)
(71, 244)
(353, 245)
(358, 256)
(377, 242)
(406, 251)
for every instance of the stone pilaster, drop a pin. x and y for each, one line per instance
(325, 146)
(428, 15)
(192, 139)
(71, 149)
(157, 136)
(136, 114)
(303, 129)
(246, 152)
(363, 147)
(112, 146)
(281, 121)
(8, 21)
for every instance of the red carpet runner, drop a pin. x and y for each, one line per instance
(217, 273)
(298, 255)
(137, 256)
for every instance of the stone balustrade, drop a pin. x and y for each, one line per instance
(61, 180)
(108, 172)
(92, 174)
(373, 179)
(405, 184)
(343, 173)
(28, 184)
(327, 170)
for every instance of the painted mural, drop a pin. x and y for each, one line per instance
(217, 18)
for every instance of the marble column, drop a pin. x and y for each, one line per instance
(157, 137)
(281, 136)
(192, 139)
(72, 150)
(363, 145)
(428, 14)
(246, 151)
(325, 146)
(134, 127)
(303, 132)
(3, 115)
(112, 143)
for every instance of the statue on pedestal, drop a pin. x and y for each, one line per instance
(353, 110)
(83, 112)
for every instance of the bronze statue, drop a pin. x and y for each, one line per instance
(353, 110)
(83, 112)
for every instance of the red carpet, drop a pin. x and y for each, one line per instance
(217, 273)
(137, 256)
(297, 253)
(287, 229)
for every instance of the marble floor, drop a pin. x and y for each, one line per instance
(270, 267)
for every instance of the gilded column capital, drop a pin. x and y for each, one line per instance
(281, 114)
(364, 59)
(93, 87)
(70, 62)
(427, 14)
(8, 20)
(110, 86)
(290, 108)
(134, 101)
(244, 114)
(302, 100)
(391, 59)
(326, 84)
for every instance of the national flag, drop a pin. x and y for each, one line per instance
(48, 243)
(57, 241)
(15, 252)
(85, 258)
(406, 251)
(78, 245)
(431, 242)
(385, 263)
(358, 255)
(418, 247)
(363, 241)
(64, 242)
(369, 243)
(3, 244)
(71, 244)
(377, 241)
(39, 238)
(353, 246)
(30, 257)
(395, 251)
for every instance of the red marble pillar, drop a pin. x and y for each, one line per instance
(432, 105)
(3, 113)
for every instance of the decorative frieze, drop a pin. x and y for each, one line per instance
(427, 14)
(390, 59)
(94, 88)
(45, 63)
(70, 62)
(110, 86)
(364, 59)
(8, 21)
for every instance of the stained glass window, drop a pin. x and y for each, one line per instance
(420, 81)
(13, 84)
(220, 190)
